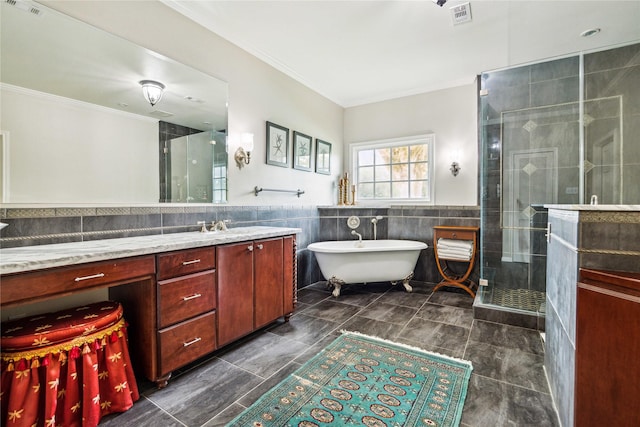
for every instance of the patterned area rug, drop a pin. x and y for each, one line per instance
(359, 380)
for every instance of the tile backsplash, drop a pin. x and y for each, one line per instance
(49, 225)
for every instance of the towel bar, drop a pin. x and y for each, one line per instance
(257, 190)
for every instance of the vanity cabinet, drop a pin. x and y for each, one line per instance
(182, 304)
(34, 285)
(186, 294)
(235, 291)
(255, 285)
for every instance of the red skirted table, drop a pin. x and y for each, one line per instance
(66, 368)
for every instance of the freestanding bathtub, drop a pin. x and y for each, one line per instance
(348, 261)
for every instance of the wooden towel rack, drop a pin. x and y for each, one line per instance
(449, 276)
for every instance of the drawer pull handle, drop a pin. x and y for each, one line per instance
(260, 246)
(454, 235)
(194, 296)
(193, 341)
(195, 261)
(93, 276)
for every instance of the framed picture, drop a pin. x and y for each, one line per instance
(302, 151)
(277, 145)
(323, 157)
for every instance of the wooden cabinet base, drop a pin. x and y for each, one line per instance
(179, 305)
(607, 348)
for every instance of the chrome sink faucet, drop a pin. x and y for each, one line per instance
(220, 225)
(355, 233)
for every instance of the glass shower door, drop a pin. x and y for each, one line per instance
(551, 133)
(530, 132)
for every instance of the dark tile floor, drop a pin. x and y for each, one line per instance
(508, 385)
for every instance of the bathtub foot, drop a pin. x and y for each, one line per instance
(405, 282)
(336, 284)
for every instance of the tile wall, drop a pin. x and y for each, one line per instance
(612, 91)
(401, 222)
(39, 226)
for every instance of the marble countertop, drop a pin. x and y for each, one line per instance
(607, 208)
(14, 260)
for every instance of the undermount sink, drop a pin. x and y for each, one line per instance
(230, 231)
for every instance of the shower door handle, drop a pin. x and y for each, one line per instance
(548, 233)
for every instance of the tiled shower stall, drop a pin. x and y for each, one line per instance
(556, 132)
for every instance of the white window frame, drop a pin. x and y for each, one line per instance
(429, 139)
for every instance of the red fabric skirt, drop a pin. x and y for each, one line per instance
(66, 368)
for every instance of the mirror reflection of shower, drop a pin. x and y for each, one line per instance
(194, 167)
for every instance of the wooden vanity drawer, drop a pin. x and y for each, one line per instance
(455, 234)
(184, 297)
(187, 341)
(188, 261)
(23, 287)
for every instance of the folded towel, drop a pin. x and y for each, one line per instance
(456, 256)
(457, 250)
(450, 243)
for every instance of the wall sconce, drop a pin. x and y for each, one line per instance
(243, 153)
(152, 91)
(455, 168)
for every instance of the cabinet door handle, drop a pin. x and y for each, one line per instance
(250, 248)
(193, 341)
(195, 261)
(194, 296)
(93, 276)
(454, 235)
(260, 246)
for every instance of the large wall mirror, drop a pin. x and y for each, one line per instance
(75, 127)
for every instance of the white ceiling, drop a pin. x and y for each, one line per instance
(357, 52)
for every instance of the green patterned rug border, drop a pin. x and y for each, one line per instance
(408, 387)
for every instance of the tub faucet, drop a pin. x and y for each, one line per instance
(355, 233)
(374, 221)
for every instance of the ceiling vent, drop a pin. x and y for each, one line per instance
(27, 6)
(461, 13)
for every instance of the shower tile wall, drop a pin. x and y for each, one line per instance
(612, 91)
(401, 222)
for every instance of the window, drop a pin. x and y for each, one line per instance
(397, 169)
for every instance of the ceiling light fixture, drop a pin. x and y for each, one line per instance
(152, 91)
(590, 32)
